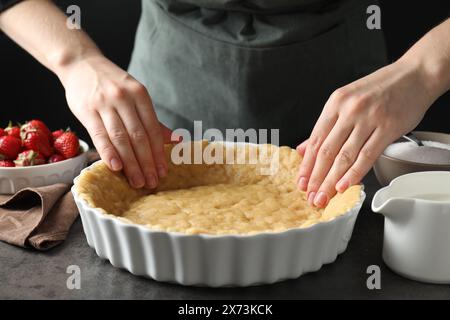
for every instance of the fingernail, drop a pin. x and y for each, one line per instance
(116, 165)
(303, 183)
(137, 181)
(321, 199)
(342, 185)
(151, 181)
(161, 171)
(311, 197)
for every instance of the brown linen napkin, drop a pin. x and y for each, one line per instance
(38, 217)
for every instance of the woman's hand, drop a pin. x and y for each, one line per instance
(357, 123)
(118, 113)
(115, 109)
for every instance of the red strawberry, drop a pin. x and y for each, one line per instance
(6, 163)
(9, 147)
(13, 130)
(2, 132)
(36, 125)
(57, 133)
(67, 144)
(29, 158)
(55, 158)
(37, 141)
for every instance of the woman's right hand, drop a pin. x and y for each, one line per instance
(117, 112)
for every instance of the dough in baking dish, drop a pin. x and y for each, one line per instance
(216, 199)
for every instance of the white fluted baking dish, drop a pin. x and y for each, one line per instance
(215, 260)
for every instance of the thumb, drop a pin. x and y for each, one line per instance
(301, 148)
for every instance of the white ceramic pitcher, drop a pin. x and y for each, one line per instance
(416, 207)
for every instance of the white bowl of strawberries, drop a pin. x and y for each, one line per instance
(33, 156)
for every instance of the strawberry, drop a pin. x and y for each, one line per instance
(9, 147)
(29, 158)
(12, 130)
(67, 144)
(57, 133)
(6, 163)
(37, 141)
(55, 158)
(2, 132)
(36, 125)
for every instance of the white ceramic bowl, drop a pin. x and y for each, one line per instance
(215, 260)
(17, 178)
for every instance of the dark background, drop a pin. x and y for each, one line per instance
(28, 90)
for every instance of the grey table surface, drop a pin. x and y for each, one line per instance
(27, 274)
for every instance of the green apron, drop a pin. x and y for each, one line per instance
(251, 64)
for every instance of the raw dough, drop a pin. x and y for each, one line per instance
(216, 198)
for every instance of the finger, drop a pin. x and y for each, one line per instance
(318, 135)
(103, 145)
(140, 143)
(168, 135)
(152, 126)
(343, 161)
(121, 141)
(301, 148)
(325, 157)
(366, 157)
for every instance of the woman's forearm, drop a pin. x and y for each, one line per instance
(40, 28)
(431, 56)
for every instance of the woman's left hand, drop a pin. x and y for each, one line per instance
(357, 123)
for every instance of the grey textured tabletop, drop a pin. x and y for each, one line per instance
(26, 274)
